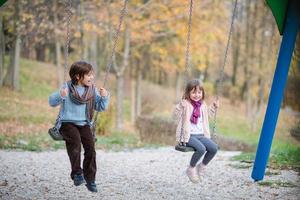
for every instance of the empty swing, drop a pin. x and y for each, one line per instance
(181, 146)
(54, 131)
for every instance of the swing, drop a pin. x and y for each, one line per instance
(181, 146)
(54, 131)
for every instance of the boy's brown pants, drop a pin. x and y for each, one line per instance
(75, 135)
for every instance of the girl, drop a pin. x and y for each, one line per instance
(192, 113)
(79, 100)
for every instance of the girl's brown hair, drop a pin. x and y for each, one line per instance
(79, 68)
(191, 85)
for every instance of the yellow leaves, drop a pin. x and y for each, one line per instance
(199, 62)
(89, 27)
(26, 16)
(162, 26)
(77, 34)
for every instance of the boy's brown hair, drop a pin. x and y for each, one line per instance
(191, 85)
(79, 68)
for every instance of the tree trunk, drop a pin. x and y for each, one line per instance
(236, 42)
(258, 101)
(120, 77)
(258, 105)
(94, 53)
(40, 50)
(133, 96)
(102, 55)
(139, 91)
(120, 98)
(86, 51)
(245, 89)
(204, 75)
(12, 76)
(250, 78)
(57, 48)
(177, 86)
(80, 13)
(2, 49)
(17, 63)
(245, 63)
(235, 55)
(52, 54)
(136, 81)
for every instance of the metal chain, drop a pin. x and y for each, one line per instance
(221, 76)
(187, 52)
(187, 65)
(110, 62)
(183, 115)
(67, 45)
(66, 55)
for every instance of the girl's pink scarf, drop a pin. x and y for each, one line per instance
(196, 111)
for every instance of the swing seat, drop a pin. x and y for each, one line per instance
(183, 148)
(55, 134)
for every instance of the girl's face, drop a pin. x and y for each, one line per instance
(196, 94)
(87, 79)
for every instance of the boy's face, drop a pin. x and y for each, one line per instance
(196, 94)
(87, 79)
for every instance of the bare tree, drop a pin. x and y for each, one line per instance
(12, 77)
(57, 45)
(119, 72)
(2, 49)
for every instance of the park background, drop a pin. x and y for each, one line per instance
(147, 76)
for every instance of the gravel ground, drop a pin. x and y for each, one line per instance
(137, 174)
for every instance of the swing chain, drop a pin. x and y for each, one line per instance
(187, 52)
(67, 45)
(54, 131)
(110, 62)
(221, 76)
(187, 66)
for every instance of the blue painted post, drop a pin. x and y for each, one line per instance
(276, 94)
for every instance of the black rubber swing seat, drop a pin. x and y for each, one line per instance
(182, 148)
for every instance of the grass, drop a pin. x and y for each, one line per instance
(37, 82)
(240, 166)
(276, 184)
(282, 156)
(272, 172)
(30, 142)
(116, 141)
(285, 156)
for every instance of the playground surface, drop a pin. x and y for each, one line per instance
(139, 174)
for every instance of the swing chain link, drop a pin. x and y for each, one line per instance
(187, 52)
(67, 45)
(221, 76)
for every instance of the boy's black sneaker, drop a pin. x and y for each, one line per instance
(78, 179)
(91, 187)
